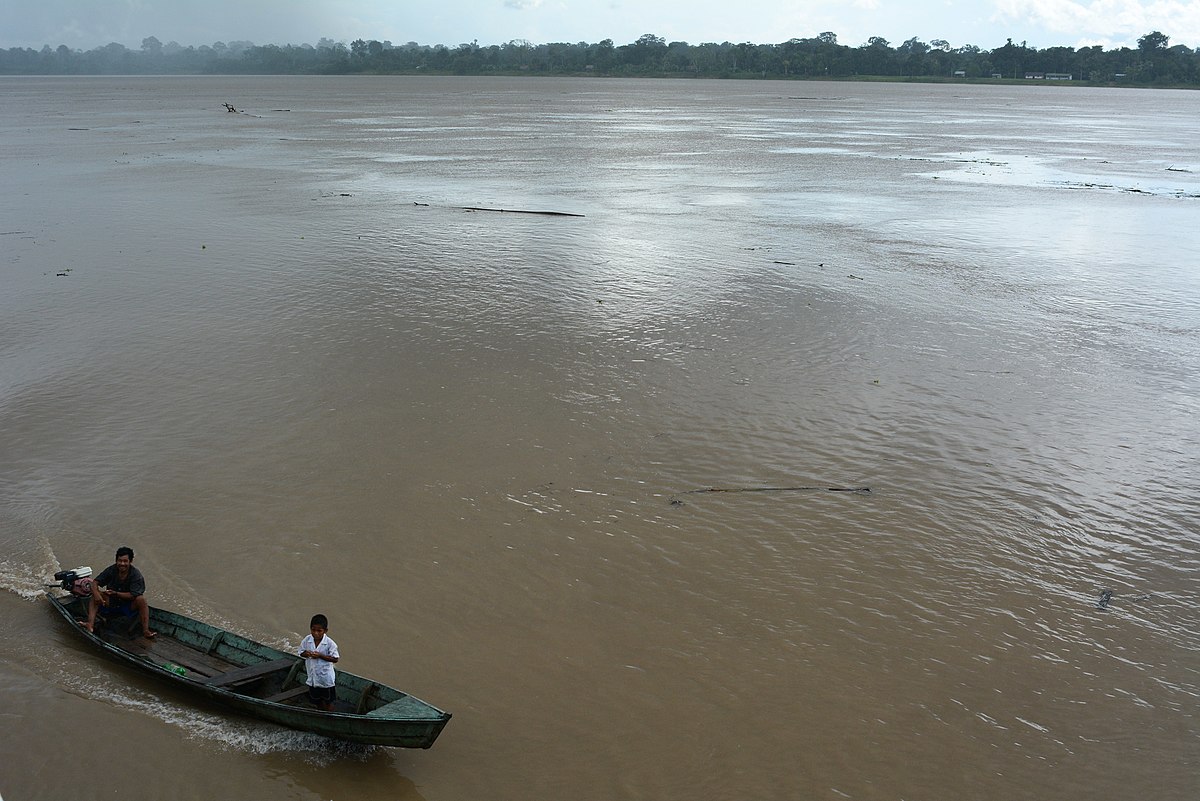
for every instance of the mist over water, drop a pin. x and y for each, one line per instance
(273, 353)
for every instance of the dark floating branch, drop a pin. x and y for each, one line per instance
(523, 211)
(859, 490)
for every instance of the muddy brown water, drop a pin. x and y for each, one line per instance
(272, 353)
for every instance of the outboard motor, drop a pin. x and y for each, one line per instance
(77, 582)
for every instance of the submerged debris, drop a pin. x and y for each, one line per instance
(856, 490)
(859, 490)
(523, 211)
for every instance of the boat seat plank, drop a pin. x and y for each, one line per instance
(287, 695)
(193, 666)
(129, 646)
(406, 707)
(154, 655)
(167, 649)
(249, 672)
(173, 651)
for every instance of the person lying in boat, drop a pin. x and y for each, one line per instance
(320, 653)
(120, 590)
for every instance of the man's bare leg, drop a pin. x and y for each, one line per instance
(94, 604)
(143, 610)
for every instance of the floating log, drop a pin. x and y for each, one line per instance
(860, 490)
(523, 211)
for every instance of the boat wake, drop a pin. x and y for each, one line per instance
(234, 734)
(27, 566)
(18, 580)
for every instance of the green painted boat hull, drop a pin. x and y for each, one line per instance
(240, 674)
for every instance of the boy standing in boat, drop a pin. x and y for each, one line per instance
(124, 593)
(320, 653)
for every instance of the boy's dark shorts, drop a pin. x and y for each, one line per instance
(322, 695)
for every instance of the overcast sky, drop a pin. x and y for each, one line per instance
(84, 24)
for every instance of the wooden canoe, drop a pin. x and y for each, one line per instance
(255, 679)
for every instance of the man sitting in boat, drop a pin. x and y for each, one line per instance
(120, 590)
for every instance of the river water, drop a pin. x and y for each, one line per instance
(272, 352)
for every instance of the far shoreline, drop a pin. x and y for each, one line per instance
(1077, 83)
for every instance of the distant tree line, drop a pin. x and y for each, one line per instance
(1154, 62)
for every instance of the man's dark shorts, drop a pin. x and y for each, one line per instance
(322, 695)
(118, 609)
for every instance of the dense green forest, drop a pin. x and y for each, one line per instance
(1153, 63)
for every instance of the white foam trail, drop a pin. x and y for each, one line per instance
(26, 573)
(19, 580)
(231, 732)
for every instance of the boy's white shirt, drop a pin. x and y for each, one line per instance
(320, 672)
